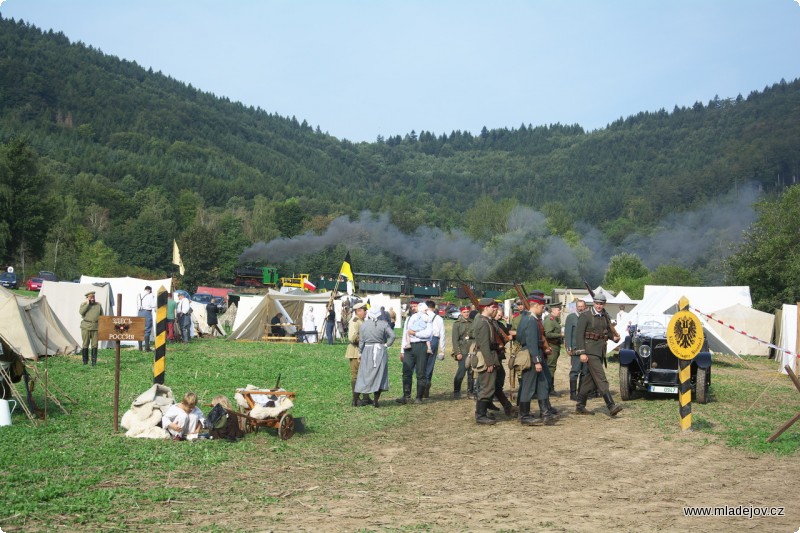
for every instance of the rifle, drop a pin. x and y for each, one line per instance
(608, 318)
(500, 337)
(522, 293)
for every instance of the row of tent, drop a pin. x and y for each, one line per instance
(50, 323)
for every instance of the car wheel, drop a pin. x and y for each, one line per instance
(625, 383)
(701, 385)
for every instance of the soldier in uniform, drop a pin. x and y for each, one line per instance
(592, 332)
(536, 315)
(486, 346)
(462, 340)
(577, 369)
(552, 332)
(352, 354)
(533, 382)
(90, 311)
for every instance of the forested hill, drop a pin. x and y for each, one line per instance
(118, 137)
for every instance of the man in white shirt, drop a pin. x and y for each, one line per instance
(415, 350)
(147, 304)
(183, 314)
(438, 342)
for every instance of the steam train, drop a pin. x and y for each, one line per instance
(372, 283)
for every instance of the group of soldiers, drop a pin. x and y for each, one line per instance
(482, 339)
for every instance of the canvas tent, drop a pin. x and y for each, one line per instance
(65, 298)
(31, 327)
(660, 302)
(786, 336)
(755, 322)
(254, 325)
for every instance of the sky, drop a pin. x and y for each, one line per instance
(363, 68)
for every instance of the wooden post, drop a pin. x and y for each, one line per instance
(797, 345)
(116, 370)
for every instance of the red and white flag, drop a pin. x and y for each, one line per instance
(307, 285)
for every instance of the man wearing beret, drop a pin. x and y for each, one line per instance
(534, 382)
(462, 340)
(552, 332)
(90, 311)
(592, 332)
(486, 346)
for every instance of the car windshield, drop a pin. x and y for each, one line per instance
(7, 276)
(49, 276)
(202, 298)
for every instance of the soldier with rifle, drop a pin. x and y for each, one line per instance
(462, 340)
(534, 380)
(592, 333)
(487, 360)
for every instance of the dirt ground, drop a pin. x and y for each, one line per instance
(445, 473)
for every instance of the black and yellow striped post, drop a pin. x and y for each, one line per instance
(685, 338)
(160, 355)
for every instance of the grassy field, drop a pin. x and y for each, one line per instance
(74, 471)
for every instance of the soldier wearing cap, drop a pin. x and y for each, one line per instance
(462, 340)
(90, 311)
(592, 332)
(352, 353)
(552, 332)
(577, 369)
(534, 382)
(486, 348)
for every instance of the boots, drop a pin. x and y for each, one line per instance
(550, 409)
(85, 354)
(147, 345)
(573, 389)
(613, 408)
(525, 416)
(547, 418)
(580, 408)
(420, 392)
(406, 395)
(377, 397)
(508, 409)
(94, 356)
(140, 346)
(480, 413)
(365, 400)
(472, 394)
(426, 392)
(354, 403)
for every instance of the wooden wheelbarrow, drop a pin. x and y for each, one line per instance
(284, 423)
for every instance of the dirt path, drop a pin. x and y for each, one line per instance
(583, 474)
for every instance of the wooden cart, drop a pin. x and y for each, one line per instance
(283, 423)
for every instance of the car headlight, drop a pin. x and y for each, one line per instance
(644, 351)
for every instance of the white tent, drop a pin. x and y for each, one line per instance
(376, 301)
(743, 318)
(65, 297)
(786, 335)
(31, 327)
(660, 302)
(254, 325)
(131, 289)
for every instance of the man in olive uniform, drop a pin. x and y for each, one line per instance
(352, 354)
(91, 311)
(533, 382)
(485, 344)
(462, 340)
(576, 367)
(552, 331)
(592, 332)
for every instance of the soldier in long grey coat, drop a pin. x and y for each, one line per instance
(374, 337)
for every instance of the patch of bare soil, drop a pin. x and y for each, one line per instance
(445, 473)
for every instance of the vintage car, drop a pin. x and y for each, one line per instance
(651, 367)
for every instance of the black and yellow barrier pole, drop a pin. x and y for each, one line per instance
(685, 338)
(160, 355)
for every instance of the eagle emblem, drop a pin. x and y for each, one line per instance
(685, 331)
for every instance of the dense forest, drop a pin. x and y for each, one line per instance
(104, 163)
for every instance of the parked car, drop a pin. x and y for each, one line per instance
(34, 284)
(9, 280)
(202, 297)
(46, 275)
(446, 309)
(651, 367)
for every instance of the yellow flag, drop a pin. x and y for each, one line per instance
(346, 271)
(176, 257)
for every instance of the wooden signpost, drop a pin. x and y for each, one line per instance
(119, 328)
(685, 338)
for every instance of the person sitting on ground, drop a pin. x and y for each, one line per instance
(223, 425)
(183, 420)
(277, 329)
